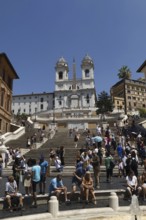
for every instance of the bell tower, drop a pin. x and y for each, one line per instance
(61, 70)
(87, 66)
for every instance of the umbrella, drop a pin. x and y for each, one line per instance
(97, 139)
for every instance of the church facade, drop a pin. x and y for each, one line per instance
(73, 102)
(75, 93)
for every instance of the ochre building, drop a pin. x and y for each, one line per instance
(7, 75)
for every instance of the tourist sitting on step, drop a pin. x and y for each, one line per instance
(57, 187)
(88, 189)
(142, 183)
(77, 178)
(12, 193)
(132, 187)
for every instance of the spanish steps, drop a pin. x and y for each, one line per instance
(61, 138)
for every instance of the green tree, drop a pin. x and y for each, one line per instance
(142, 112)
(124, 73)
(104, 103)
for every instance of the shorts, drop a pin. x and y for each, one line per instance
(17, 195)
(43, 178)
(34, 184)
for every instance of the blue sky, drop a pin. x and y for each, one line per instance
(36, 33)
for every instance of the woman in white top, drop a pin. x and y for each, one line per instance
(132, 184)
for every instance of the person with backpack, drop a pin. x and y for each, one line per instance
(109, 168)
(134, 163)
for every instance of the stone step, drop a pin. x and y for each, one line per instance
(68, 171)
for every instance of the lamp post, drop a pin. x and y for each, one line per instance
(53, 114)
(29, 109)
(35, 113)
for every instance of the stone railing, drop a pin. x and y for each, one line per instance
(13, 135)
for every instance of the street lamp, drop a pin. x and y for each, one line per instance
(35, 113)
(53, 114)
(29, 109)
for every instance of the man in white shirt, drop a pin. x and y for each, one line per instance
(11, 191)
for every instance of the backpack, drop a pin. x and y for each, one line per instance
(133, 164)
(112, 164)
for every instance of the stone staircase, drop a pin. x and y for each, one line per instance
(61, 138)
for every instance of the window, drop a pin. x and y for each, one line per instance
(117, 102)
(60, 75)
(42, 106)
(60, 102)
(87, 99)
(129, 97)
(8, 104)
(2, 98)
(42, 99)
(86, 73)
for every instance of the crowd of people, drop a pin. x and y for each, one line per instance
(103, 148)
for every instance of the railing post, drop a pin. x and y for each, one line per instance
(53, 206)
(114, 201)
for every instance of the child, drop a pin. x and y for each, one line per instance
(27, 183)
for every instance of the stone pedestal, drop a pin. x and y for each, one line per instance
(53, 206)
(114, 201)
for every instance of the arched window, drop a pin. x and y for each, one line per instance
(87, 73)
(60, 75)
(88, 99)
